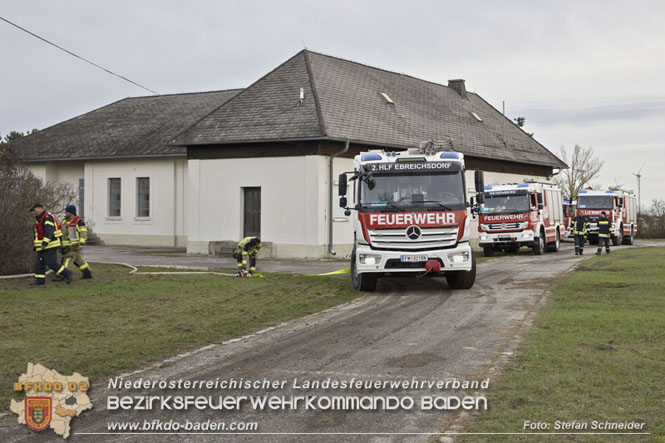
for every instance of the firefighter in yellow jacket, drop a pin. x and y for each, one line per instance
(74, 236)
(246, 252)
(46, 241)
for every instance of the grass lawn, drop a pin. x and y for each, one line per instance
(595, 352)
(118, 322)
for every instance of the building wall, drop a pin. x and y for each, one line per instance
(166, 224)
(294, 196)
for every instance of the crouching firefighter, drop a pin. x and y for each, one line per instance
(74, 236)
(580, 225)
(246, 251)
(605, 230)
(46, 242)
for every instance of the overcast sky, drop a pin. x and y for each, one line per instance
(587, 72)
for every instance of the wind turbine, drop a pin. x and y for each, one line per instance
(639, 193)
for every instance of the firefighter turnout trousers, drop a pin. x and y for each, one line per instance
(579, 243)
(244, 259)
(73, 255)
(48, 257)
(601, 241)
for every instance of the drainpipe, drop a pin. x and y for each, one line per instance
(330, 197)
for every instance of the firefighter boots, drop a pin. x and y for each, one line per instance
(86, 274)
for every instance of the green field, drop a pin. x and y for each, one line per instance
(118, 322)
(595, 352)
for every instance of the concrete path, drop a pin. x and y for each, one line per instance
(177, 257)
(410, 329)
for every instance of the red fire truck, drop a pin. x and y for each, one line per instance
(568, 214)
(521, 214)
(410, 216)
(620, 207)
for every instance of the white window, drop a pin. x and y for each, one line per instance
(143, 196)
(114, 188)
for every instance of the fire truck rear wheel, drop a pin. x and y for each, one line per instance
(630, 240)
(488, 251)
(539, 244)
(462, 279)
(554, 247)
(365, 282)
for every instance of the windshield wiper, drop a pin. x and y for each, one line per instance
(441, 205)
(382, 206)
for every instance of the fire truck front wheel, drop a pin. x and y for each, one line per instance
(365, 281)
(539, 244)
(488, 251)
(462, 279)
(618, 238)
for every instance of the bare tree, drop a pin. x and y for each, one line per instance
(21, 189)
(583, 166)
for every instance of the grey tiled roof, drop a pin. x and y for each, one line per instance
(342, 101)
(132, 127)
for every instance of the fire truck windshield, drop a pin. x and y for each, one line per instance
(513, 203)
(439, 191)
(594, 202)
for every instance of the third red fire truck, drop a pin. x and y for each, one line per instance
(620, 207)
(521, 214)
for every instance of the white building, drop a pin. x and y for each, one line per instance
(256, 161)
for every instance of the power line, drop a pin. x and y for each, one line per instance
(77, 56)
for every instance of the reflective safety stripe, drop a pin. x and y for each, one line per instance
(239, 265)
(62, 268)
(40, 275)
(49, 223)
(85, 266)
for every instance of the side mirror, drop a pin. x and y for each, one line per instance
(371, 183)
(342, 202)
(540, 206)
(342, 186)
(479, 178)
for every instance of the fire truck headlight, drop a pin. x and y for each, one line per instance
(527, 234)
(484, 237)
(369, 259)
(523, 225)
(484, 227)
(459, 257)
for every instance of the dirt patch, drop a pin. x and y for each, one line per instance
(414, 360)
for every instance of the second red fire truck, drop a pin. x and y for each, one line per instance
(521, 214)
(620, 207)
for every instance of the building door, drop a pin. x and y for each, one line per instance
(81, 211)
(252, 212)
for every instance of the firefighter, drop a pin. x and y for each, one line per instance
(74, 236)
(246, 250)
(605, 230)
(579, 227)
(46, 242)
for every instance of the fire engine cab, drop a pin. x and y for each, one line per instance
(410, 216)
(568, 214)
(521, 214)
(620, 207)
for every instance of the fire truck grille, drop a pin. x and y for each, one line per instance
(503, 226)
(430, 238)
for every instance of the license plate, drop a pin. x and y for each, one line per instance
(505, 238)
(413, 258)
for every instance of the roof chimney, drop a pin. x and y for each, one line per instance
(458, 86)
